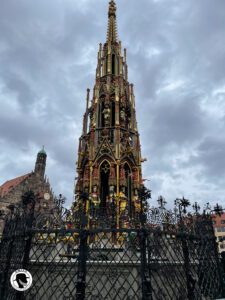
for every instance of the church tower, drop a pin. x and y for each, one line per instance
(109, 154)
(40, 164)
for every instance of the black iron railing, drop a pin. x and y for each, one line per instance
(167, 255)
(112, 264)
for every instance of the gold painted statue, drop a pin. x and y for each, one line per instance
(136, 201)
(95, 198)
(123, 200)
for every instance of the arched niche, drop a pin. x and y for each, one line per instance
(128, 187)
(113, 64)
(113, 113)
(104, 170)
(101, 107)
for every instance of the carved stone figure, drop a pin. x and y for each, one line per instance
(122, 115)
(106, 114)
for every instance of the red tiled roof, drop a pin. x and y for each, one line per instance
(10, 184)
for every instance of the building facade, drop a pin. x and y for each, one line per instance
(12, 190)
(219, 228)
(109, 155)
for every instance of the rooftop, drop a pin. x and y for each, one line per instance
(10, 184)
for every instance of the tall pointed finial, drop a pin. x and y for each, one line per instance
(42, 151)
(112, 27)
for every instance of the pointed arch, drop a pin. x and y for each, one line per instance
(104, 152)
(105, 158)
(127, 160)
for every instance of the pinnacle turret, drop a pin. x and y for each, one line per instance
(112, 26)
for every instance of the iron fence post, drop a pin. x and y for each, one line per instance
(5, 274)
(27, 247)
(223, 272)
(145, 272)
(82, 261)
(28, 235)
(8, 260)
(189, 279)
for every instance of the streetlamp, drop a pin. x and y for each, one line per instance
(59, 203)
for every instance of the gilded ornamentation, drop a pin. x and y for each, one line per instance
(112, 136)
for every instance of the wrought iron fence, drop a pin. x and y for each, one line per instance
(173, 258)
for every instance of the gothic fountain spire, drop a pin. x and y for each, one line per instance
(109, 155)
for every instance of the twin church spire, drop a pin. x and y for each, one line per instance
(109, 154)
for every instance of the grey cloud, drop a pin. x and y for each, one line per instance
(19, 86)
(210, 156)
(178, 121)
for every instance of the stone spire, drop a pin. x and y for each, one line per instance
(112, 27)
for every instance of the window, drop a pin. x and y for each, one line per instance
(113, 114)
(102, 114)
(221, 238)
(113, 64)
(111, 136)
(220, 229)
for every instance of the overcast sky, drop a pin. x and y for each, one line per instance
(176, 60)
